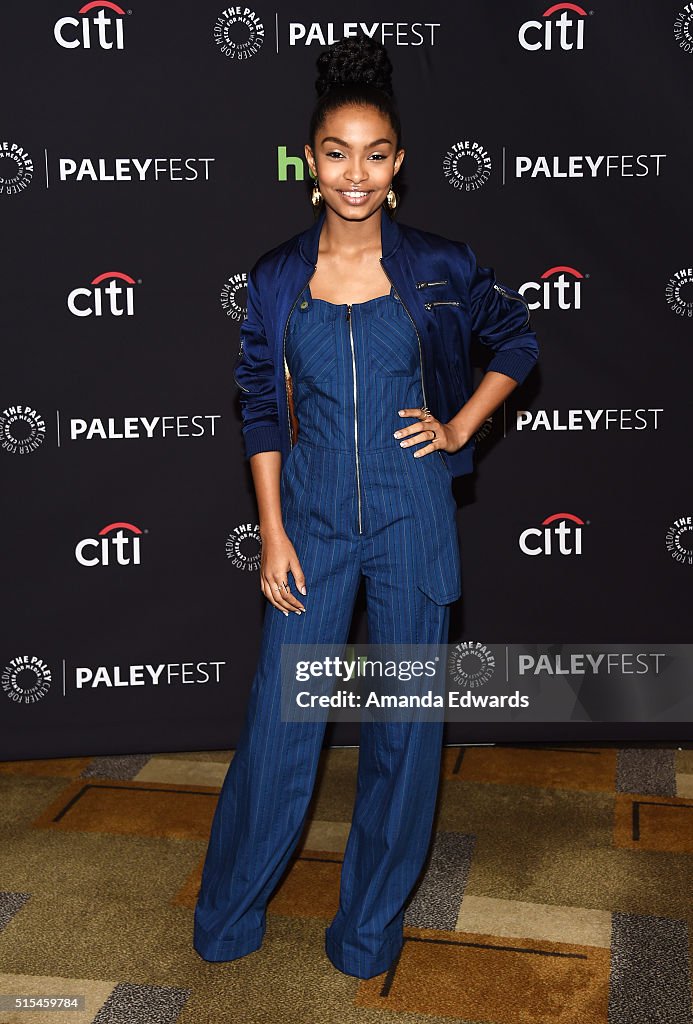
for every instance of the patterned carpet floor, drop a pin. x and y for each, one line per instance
(558, 890)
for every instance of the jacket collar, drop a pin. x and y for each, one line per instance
(390, 237)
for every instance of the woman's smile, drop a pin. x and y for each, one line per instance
(354, 196)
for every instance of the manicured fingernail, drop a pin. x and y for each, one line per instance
(303, 590)
(397, 434)
(400, 412)
(286, 613)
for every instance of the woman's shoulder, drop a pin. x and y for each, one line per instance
(431, 240)
(270, 261)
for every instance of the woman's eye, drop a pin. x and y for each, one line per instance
(336, 153)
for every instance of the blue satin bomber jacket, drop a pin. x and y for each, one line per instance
(448, 297)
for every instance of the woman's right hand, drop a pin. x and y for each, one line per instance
(277, 560)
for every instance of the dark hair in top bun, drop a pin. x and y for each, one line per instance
(355, 70)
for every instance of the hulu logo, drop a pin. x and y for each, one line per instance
(295, 163)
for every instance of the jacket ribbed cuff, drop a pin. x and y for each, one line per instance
(265, 438)
(515, 364)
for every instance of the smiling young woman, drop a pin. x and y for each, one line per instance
(358, 411)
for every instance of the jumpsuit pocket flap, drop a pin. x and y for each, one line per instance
(442, 587)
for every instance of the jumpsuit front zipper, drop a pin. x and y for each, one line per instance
(419, 284)
(356, 427)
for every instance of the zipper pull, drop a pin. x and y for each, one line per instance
(348, 316)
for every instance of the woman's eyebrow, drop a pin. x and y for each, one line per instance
(333, 138)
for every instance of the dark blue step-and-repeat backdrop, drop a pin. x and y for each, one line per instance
(148, 155)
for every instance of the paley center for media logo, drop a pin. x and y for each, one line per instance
(562, 28)
(99, 25)
(558, 534)
(25, 679)
(679, 292)
(239, 33)
(679, 540)
(22, 429)
(16, 168)
(244, 547)
(233, 296)
(468, 165)
(683, 28)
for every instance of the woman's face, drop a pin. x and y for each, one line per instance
(355, 160)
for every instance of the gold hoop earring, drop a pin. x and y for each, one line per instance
(316, 194)
(391, 198)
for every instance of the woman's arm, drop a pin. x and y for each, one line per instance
(266, 468)
(278, 553)
(492, 391)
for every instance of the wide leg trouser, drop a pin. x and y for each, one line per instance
(263, 803)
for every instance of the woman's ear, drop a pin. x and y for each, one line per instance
(311, 160)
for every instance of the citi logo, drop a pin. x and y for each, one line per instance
(103, 28)
(559, 534)
(565, 32)
(559, 287)
(115, 298)
(116, 544)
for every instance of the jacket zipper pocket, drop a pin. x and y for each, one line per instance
(507, 295)
(443, 302)
(429, 284)
(238, 359)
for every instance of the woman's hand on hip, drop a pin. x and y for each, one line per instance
(277, 560)
(438, 436)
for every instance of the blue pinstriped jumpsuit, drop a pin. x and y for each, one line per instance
(354, 503)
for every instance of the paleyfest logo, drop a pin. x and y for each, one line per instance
(239, 33)
(26, 679)
(467, 165)
(100, 24)
(16, 168)
(562, 28)
(22, 429)
(389, 33)
(126, 168)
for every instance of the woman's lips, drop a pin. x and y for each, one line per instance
(354, 197)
